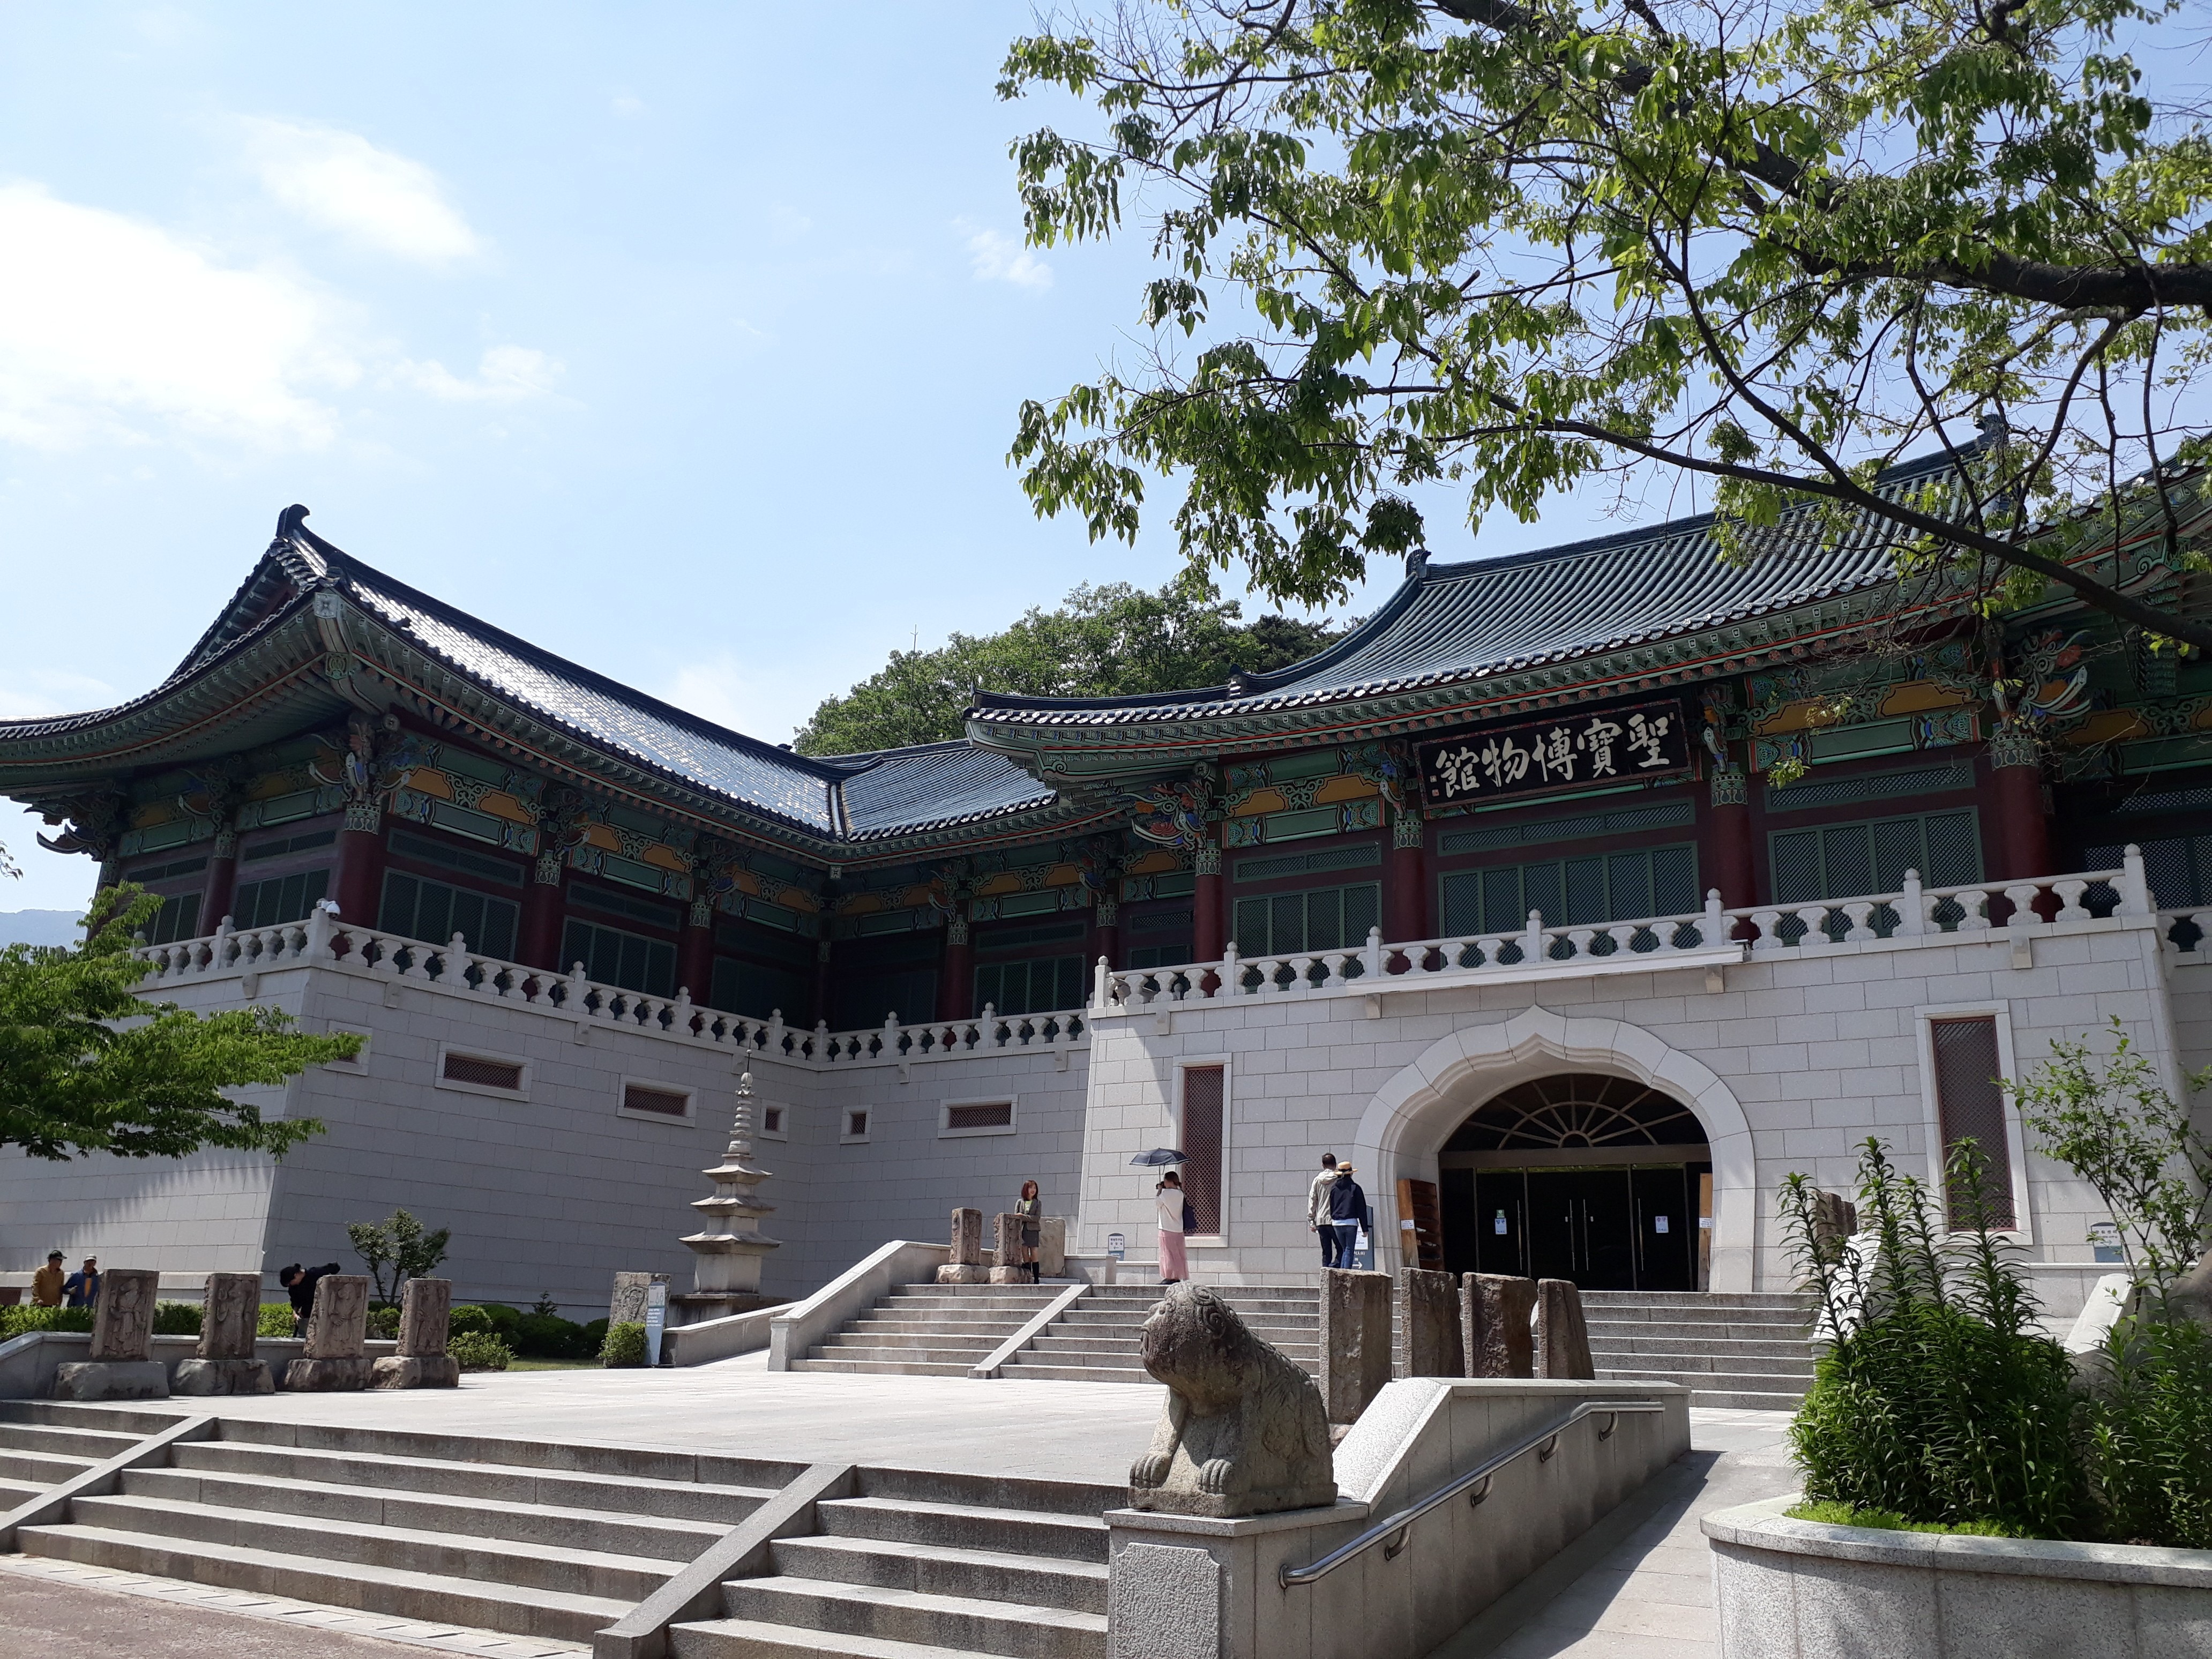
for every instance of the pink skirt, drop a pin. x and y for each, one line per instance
(1173, 1263)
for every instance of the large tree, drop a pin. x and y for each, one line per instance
(1512, 246)
(88, 1066)
(1109, 640)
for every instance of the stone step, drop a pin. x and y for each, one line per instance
(597, 1573)
(68, 1413)
(558, 1615)
(1700, 1330)
(41, 1469)
(93, 1445)
(890, 1318)
(1133, 1318)
(1009, 1296)
(1762, 1392)
(936, 1570)
(1085, 1500)
(963, 1624)
(1698, 1298)
(1076, 1348)
(867, 1334)
(1710, 1359)
(1029, 1372)
(13, 1492)
(885, 1367)
(650, 1537)
(1696, 1313)
(748, 1638)
(716, 1504)
(1663, 1341)
(965, 1526)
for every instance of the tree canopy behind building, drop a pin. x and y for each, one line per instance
(1114, 640)
(1512, 246)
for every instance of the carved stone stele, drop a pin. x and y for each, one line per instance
(1495, 1311)
(1242, 1432)
(230, 1315)
(426, 1309)
(1428, 1342)
(123, 1319)
(1010, 1259)
(1563, 1348)
(965, 1266)
(331, 1358)
(1355, 1340)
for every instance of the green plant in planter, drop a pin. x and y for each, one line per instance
(383, 1323)
(1938, 1400)
(624, 1345)
(18, 1322)
(467, 1318)
(276, 1320)
(2146, 1421)
(177, 1318)
(474, 1351)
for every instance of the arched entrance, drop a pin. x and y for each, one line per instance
(1600, 1179)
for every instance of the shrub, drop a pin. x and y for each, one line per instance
(177, 1318)
(503, 1318)
(595, 1338)
(624, 1345)
(383, 1323)
(476, 1351)
(276, 1319)
(1843, 1515)
(1939, 1402)
(467, 1319)
(19, 1321)
(548, 1336)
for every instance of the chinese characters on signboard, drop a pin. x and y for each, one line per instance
(1559, 753)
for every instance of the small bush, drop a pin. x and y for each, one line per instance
(383, 1323)
(275, 1320)
(177, 1318)
(503, 1318)
(549, 1336)
(468, 1319)
(2148, 1434)
(595, 1338)
(476, 1352)
(1844, 1514)
(18, 1322)
(624, 1345)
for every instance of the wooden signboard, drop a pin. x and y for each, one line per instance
(1566, 752)
(1420, 1226)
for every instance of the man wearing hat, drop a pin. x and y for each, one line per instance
(46, 1283)
(82, 1288)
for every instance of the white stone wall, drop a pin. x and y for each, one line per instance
(1796, 1059)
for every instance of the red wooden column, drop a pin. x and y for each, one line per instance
(361, 864)
(1735, 870)
(1105, 932)
(695, 951)
(1407, 917)
(2016, 797)
(956, 974)
(539, 945)
(1209, 920)
(222, 879)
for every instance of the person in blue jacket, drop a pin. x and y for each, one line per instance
(1348, 1212)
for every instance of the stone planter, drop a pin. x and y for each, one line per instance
(1799, 1589)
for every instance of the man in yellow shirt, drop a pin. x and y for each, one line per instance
(46, 1283)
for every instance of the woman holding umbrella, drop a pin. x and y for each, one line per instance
(1176, 1215)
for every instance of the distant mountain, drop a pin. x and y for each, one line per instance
(40, 926)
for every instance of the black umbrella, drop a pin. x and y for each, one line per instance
(1159, 1155)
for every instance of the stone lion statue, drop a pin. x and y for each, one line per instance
(1243, 1431)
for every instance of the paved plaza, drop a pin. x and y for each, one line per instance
(1638, 1586)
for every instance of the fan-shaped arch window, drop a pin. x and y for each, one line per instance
(1577, 1110)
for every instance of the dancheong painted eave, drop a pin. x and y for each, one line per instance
(1488, 638)
(313, 633)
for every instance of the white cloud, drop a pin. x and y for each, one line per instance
(27, 694)
(341, 182)
(506, 374)
(108, 324)
(627, 107)
(999, 258)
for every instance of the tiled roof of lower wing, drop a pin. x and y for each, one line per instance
(1454, 621)
(905, 790)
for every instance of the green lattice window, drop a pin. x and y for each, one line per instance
(1038, 985)
(1846, 860)
(178, 918)
(1657, 881)
(279, 899)
(612, 956)
(431, 911)
(1291, 923)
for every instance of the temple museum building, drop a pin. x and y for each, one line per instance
(1576, 897)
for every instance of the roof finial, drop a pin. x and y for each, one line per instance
(288, 522)
(1417, 563)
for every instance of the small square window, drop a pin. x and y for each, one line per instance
(856, 1127)
(772, 1124)
(484, 1074)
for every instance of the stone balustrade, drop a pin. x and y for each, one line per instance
(1710, 938)
(325, 942)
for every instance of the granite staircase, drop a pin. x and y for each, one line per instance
(926, 1566)
(42, 1443)
(548, 1542)
(1750, 1349)
(1096, 1339)
(930, 1330)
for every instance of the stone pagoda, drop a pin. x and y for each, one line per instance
(726, 1278)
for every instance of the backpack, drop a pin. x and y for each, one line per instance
(1189, 1217)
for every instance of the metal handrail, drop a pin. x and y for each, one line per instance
(1395, 1526)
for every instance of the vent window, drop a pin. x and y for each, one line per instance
(479, 1071)
(772, 1121)
(661, 1103)
(980, 1118)
(856, 1127)
(1204, 1096)
(1970, 1105)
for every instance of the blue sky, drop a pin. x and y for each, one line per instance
(685, 340)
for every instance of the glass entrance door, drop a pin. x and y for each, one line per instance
(1606, 1228)
(1580, 1227)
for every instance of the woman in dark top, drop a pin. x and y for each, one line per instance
(1031, 1211)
